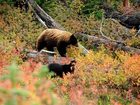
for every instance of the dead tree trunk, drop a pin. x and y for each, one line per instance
(49, 21)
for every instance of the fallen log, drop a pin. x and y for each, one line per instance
(49, 21)
(46, 57)
(116, 45)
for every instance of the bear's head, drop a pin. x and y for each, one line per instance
(73, 41)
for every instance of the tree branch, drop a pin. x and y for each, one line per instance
(101, 26)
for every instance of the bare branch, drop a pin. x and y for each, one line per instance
(101, 27)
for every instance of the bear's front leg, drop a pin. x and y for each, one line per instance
(61, 47)
(40, 45)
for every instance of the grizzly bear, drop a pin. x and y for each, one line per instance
(51, 38)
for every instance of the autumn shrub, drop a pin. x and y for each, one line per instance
(103, 67)
(27, 31)
(101, 64)
(134, 42)
(98, 69)
(131, 68)
(18, 87)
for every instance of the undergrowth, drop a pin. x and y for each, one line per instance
(99, 77)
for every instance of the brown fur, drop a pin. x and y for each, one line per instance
(51, 38)
(55, 34)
